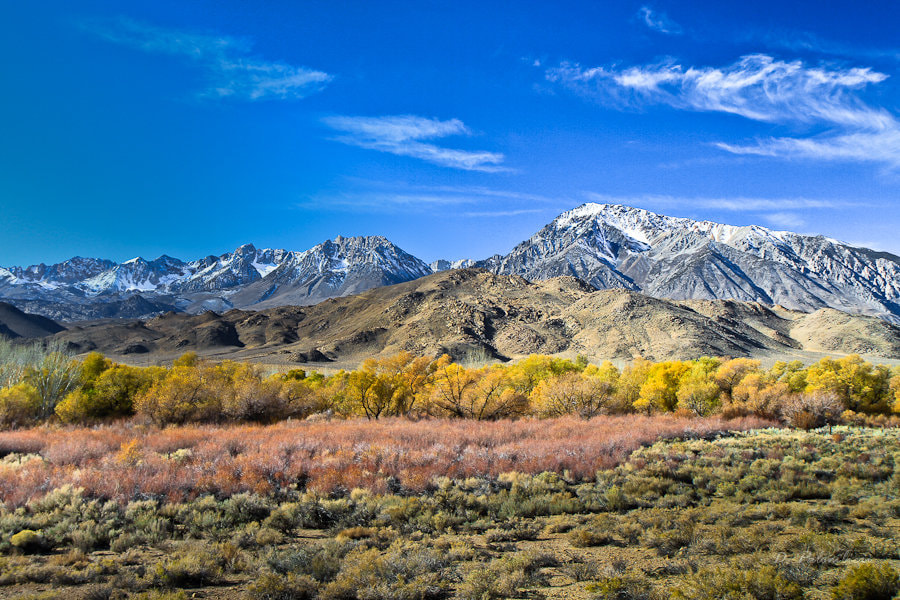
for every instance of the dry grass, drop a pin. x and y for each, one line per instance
(127, 461)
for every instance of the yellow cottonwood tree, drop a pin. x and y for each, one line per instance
(660, 390)
(585, 394)
(184, 394)
(732, 371)
(859, 385)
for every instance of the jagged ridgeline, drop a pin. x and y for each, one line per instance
(475, 315)
(607, 246)
(82, 289)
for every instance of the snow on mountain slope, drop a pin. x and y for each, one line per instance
(339, 267)
(444, 265)
(669, 257)
(241, 267)
(606, 245)
(243, 277)
(65, 273)
(136, 275)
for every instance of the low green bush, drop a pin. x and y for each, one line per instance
(620, 587)
(192, 565)
(405, 571)
(27, 540)
(868, 581)
(272, 586)
(739, 582)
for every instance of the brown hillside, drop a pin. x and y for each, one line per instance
(475, 314)
(17, 324)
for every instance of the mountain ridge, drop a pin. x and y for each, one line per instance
(244, 277)
(475, 313)
(606, 245)
(15, 323)
(673, 257)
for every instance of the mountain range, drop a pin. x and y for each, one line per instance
(475, 316)
(86, 289)
(607, 246)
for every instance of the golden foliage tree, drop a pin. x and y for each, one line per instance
(859, 385)
(486, 393)
(585, 394)
(185, 394)
(109, 393)
(792, 374)
(757, 394)
(302, 395)
(246, 395)
(659, 391)
(19, 405)
(630, 381)
(730, 373)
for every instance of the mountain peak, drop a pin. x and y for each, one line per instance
(604, 244)
(643, 226)
(595, 209)
(617, 246)
(360, 239)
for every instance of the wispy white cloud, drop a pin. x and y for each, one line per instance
(231, 70)
(409, 135)
(658, 21)
(503, 213)
(785, 220)
(806, 41)
(465, 201)
(757, 87)
(733, 204)
(487, 193)
(880, 146)
(823, 99)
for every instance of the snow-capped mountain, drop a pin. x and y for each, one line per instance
(339, 267)
(53, 276)
(445, 265)
(608, 246)
(241, 267)
(135, 275)
(90, 288)
(668, 257)
(166, 274)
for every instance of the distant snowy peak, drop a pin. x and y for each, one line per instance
(647, 233)
(345, 254)
(232, 270)
(136, 275)
(241, 267)
(67, 272)
(334, 268)
(611, 246)
(644, 226)
(444, 265)
(638, 224)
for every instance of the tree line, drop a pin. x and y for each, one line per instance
(44, 383)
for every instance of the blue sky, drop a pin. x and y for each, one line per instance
(455, 129)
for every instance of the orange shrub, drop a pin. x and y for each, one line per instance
(125, 462)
